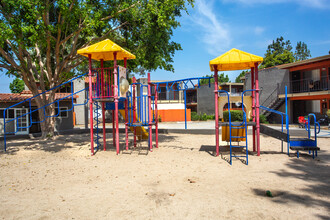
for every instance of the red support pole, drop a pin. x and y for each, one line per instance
(91, 102)
(257, 108)
(103, 107)
(113, 129)
(125, 62)
(156, 114)
(216, 109)
(134, 111)
(113, 112)
(150, 113)
(126, 122)
(116, 100)
(253, 109)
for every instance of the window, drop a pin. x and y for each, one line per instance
(63, 112)
(10, 113)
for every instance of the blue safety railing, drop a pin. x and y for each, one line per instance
(183, 85)
(29, 113)
(237, 126)
(282, 119)
(142, 103)
(282, 123)
(315, 131)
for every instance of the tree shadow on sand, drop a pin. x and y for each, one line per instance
(316, 175)
(54, 145)
(63, 142)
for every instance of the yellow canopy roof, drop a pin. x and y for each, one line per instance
(104, 50)
(235, 60)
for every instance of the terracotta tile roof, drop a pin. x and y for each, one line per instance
(15, 97)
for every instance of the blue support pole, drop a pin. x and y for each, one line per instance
(4, 129)
(287, 120)
(185, 109)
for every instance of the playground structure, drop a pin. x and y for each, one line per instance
(183, 85)
(240, 60)
(108, 89)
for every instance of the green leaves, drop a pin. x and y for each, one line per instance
(16, 86)
(222, 78)
(60, 27)
(280, 52)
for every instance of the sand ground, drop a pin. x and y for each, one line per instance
(179, 180)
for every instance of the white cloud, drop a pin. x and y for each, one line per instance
(214, 34)
(323, 4)
(259, 30)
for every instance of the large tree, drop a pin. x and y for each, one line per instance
(302, 52)
(39, 38)
(280, 52)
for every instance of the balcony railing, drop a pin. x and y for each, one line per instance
(306, 85)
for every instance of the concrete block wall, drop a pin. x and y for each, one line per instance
(205, 99)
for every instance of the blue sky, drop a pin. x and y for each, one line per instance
(215, 26)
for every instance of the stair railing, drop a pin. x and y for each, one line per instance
(273, 96)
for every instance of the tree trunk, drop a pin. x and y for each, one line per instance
(47, 123)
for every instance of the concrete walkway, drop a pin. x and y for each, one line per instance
(209, 125)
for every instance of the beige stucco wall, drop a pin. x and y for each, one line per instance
(247, 102)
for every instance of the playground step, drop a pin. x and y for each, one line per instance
(304, 148)
(104, 99)
(302, 142)
(250, 123)
(238, 146)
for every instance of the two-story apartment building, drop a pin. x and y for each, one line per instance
(307, 85)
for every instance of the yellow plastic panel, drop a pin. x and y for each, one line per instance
(140, 131)
(234, 132)
(235, 59)
(104, 50)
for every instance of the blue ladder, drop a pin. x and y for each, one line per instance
(97, 114)
(237, 125)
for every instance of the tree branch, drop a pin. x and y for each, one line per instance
(9, 59)
(105, 35)
(120, 11)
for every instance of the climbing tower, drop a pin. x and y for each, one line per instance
(108, 90)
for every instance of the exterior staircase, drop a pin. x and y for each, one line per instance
(272, 102)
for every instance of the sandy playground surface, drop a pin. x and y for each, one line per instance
(60, 180)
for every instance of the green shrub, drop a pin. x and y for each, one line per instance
(263, 119)
(201, 117)
(194, 116)
(328, 112)
(236, 115)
